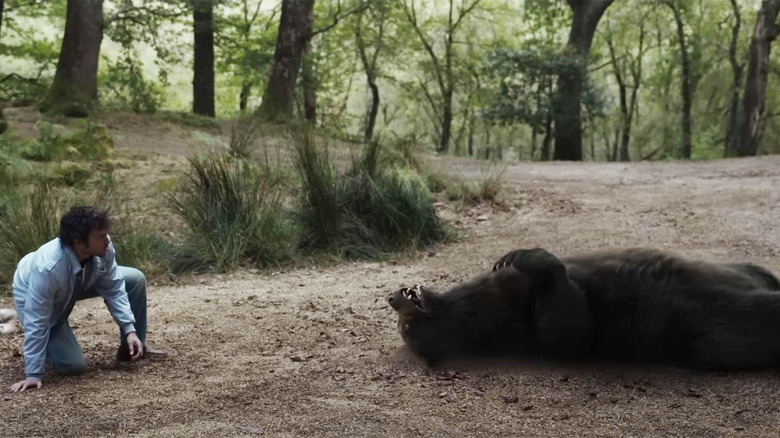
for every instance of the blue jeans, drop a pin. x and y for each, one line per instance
(64, 352)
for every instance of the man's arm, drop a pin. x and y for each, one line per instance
(36, 320)
(111, 286)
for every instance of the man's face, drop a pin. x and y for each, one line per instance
(97, 243)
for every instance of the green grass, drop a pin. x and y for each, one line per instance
(367, 211)
(487, 188)
(28, 219)
(234, 215)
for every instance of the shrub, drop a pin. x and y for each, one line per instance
(92, 142)
(70, 174)
(233, 214)
(487, 188)
(365, 211)
(27, 221)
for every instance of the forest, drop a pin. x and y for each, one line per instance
(600, 80)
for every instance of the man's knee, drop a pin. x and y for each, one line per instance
(134, 279)
(71, 368)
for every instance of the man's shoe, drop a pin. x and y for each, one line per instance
(151, 353)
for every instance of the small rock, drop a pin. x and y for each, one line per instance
(482, 218)
(511, 399)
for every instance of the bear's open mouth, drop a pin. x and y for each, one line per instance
(414, 295)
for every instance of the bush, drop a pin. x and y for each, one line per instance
(234, 216)
(70, 174)
(13, 169)
(27, 221)
(487, 188)
(366, 211)
(91, 143)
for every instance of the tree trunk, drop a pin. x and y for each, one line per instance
(685, 81)
(309, 85)
(548, 135)
(568, 124)
(446, 123)
(623, 97)
(294, 30)
(203, 69)
(243, 97)
(74, 89)
(745, 137)
(472, 128)
(2, 8)
(737, 69)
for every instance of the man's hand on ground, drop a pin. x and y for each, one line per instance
(26, 383)
(135, 346)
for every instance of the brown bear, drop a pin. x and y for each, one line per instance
(635, 305)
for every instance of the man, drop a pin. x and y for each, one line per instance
(79, 264)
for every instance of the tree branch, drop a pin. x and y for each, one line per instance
(338, 17)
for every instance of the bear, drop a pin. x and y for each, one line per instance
(635, 305)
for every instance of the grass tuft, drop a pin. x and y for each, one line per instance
(366, 211)
(234, 215)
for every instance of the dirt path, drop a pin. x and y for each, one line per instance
(315, 352)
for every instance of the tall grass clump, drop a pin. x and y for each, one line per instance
(367, 210)
(28, 219)
(486, 188)
(235, 216)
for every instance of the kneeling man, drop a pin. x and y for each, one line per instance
(79, 264)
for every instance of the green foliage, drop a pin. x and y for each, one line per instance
(94, 142)
(28, 219)
(13, 169)
(124, 85)
(365, 211)
(245, 46)
(526, 85)
(70, 174)
(487, 188)
(234, 216)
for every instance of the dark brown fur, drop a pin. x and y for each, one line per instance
(632, 305)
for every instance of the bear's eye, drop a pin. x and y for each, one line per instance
(405, 327)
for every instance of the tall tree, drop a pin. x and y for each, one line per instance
(294, 31)
(568, 123)
(203, 69)
(245, 42)
(443, 68)
(3, 123)
(686, 87)
(74, 89)
(369, 51)
(745, 137)
(2, 8)
(737, 68)
(309, 84)
(623, 65)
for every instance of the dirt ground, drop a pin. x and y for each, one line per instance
(315, 352)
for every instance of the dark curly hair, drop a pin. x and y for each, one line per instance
(79, 221)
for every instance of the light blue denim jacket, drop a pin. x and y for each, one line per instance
(43, 286)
